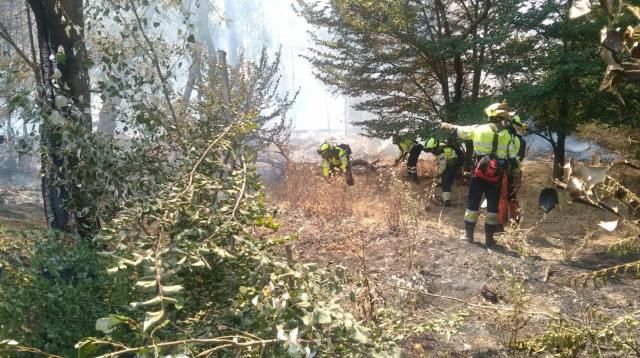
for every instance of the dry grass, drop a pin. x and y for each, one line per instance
(371, 229)
(305, 189)
(330, 199)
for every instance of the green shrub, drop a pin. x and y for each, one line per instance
(53, 299)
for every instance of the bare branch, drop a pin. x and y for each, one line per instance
(156, 64)
(4, 34)
(223, 342)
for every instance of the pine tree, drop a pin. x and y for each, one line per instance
(412, 61)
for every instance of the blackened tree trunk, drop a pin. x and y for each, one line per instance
(558, 155)
(561, 134)
(57, 33)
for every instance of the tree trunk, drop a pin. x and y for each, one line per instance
(194, 73)
(52, 195)
(558, 155)
(559, 148)
(232, 34)
(106, 119)
(478, 56)
(459, 80)
(55, 32)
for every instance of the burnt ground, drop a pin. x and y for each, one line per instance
(538, 269)
(420, 271)
(21, 206)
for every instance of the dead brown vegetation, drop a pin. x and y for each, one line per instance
(370, 228)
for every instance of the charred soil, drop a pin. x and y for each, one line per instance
(412, 260)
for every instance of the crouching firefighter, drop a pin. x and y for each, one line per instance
(491, 151)
(336, 158)
(449, 163)
(413, 149)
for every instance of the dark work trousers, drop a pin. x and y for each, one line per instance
(412, 162)
(449, 176)
(491, 191)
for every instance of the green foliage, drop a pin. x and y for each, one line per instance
(177, 248)
(52, 300)
(407, 61)
(566, 339)
(176, 267)
(554, 76)
(629, 246)
(102, 173)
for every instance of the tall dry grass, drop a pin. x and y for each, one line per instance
(304, 188)
(382, 196)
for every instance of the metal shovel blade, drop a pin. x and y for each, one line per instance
(548, 199)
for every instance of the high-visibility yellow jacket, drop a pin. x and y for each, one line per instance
(339, 158)
(446, 158)
(482, 137)
(405, 146)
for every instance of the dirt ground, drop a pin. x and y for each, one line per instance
(410, 264)
(21, 206)
(380, 230)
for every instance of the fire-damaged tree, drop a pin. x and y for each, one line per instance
(65, 98)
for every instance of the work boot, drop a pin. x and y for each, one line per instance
(447, 203)
(489, 232)
(414, 178)
(469, 228)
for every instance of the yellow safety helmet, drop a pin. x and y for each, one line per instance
(324, 148)
(500, 110)
(431, 144)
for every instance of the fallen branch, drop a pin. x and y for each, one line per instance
(224, 342)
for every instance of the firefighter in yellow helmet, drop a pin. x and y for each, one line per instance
(493, 148)
(448, 166)
(336, 157)
(409, 147)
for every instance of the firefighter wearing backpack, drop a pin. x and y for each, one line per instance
(336, 157)
(448, 166)
(493, 147)
(413, 149)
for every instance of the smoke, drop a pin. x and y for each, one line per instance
(304, 145)
(575, 148)
(18, 169)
